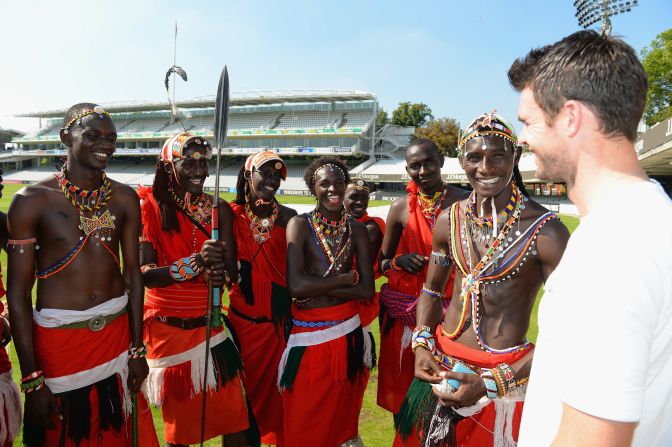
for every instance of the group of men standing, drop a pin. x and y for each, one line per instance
(290, 363)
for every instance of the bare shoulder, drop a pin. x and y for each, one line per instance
(35, 194)
(297, 227)
(455, 194)
(123, 190)
(398, 208)
(357, 227)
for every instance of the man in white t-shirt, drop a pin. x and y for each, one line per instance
(602, 369)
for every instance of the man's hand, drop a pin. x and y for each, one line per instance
(215, 274)
(137, 372)
(41, 408)
(470, 391)
(412, 262)
(426, 368)
(5, 332)
(212, 252)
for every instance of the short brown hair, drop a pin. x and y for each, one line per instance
(602, 72)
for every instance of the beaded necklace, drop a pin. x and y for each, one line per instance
(201, 211)
(100, 224)
(471, 282)
(481, 227)
(261, 227)
(332, 230)
(431, 205)
(315, 219)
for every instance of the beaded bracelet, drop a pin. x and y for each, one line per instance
(185, 268)
(144, 268)
(423, 338)
(509, 375)
(137, 352)
(32, 385)
(393, 264)
(499, 380)
(432, 293)
(386, 267)
(491, 390)
(32, 376)
(356, 280)
(440, 257)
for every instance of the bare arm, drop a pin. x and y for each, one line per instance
(375, 239)
(578, 429)
(411, 262)
(364, 289)
(551, 244)
(131, 269)
(226, 218)
(299, 283)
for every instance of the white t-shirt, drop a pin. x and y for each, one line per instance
(605, 322)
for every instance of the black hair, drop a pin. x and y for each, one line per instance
(309, 174)
(76, 110)
(426, 142)
(241, 187)
(602, 72)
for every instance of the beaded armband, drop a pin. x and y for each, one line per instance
(32, 382)
(137, 352)
(423, 338)
(23, 244)
(440, 257)
(393, 264)
(144, 268)
(505, 378)
(185, 268)
(432, 293)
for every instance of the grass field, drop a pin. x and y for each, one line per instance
(375, 423)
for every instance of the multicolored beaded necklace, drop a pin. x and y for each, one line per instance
(482, 227)
(471, 283)
(261, 226)
(100, 224)
(200, 210)
(316, 221)
(331, 229)
(431, 205)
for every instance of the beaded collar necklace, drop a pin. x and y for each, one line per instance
(336, 257)
(431, 205)
(201, 211)
(481, 227)
(331, 229)
(261, 226)
(100, 224)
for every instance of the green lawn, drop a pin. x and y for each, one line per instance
(375, 423)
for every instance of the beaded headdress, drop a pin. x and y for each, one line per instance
(255, 161)
(331, 166)
(97, 110)
(488, 124)
(358, 184)
(173, 148)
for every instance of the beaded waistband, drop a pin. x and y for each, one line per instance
(301, 323)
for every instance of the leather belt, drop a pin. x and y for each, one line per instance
(253, 320)
(184, 323)
(94, 324)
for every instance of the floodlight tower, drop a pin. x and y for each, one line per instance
(589, 12)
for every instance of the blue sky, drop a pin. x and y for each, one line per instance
(451, 55)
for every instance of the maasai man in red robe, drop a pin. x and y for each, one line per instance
(178, 259)
(356, 202)
(80, 348)
(260, 302)
(403, 259)
(323, 367)
(10, 400)
(503, 247)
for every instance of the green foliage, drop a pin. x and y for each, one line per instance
(444, 132)
(657, 61)
(382, 119)
(411, 114)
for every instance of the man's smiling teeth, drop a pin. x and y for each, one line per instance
(195, 181)
(489, 181)
(100, 154)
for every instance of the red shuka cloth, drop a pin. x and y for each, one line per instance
(227, 409)
(476, 430)
(322, 407)
(261, 344)
(62, 352)
(393, 380)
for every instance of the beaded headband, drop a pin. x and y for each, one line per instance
(173, 148)
(331, 166)
(358, 185)
(97, 110)
(260, 158)
(488, 124)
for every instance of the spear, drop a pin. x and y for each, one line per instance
(214, 316)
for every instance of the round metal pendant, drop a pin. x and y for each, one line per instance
(97, 323)
(265, 222)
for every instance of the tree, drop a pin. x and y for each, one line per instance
(444, 132)
(412, 114)
(657, 61)
(382, 119)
